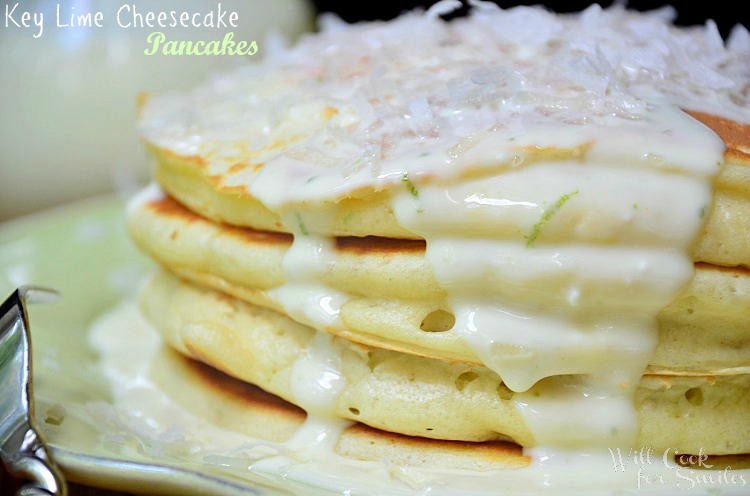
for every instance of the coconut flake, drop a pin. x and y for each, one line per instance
(443, 7)
(739, 40)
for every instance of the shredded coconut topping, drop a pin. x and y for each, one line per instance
(354, 97)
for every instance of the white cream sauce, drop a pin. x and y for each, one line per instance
(168, 433)
(302, 295)
(576, 282)
(316, 385)
(558, 268)
(316, 375)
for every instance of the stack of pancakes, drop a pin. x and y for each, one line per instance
(299, 220)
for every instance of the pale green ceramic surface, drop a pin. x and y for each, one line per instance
(82, 251)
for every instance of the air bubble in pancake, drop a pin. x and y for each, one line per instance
(694, 396)
(438, 321)
(464, 379)
(504, 393)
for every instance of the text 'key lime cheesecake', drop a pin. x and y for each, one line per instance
(514, 225)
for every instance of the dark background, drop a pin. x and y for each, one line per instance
(724, 12)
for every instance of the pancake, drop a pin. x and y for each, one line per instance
(244, 408)
(396, 303)
(725, 239)
(526, 227)
(413, 393)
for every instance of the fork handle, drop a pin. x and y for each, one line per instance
(43, 479)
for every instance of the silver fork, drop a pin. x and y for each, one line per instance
(23, 451)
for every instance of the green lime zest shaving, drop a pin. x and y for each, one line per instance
(410, 185)
(348, 218)
(546, 216)
(412, 189)
(301, 225)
